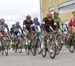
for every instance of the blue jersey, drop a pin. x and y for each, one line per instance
(37, 24)
(36, 27)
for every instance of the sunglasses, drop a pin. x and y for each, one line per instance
(49, 17)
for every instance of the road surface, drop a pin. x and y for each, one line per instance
(65, 58)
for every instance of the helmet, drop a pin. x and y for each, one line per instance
(49, 15)
(28, 17)
(17, 23)
(56, 12)
(13, 25)
(73, 12)
(2, 20)
(35, 19)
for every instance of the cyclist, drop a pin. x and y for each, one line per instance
(3, 33)
(36, 31)
(49, 23)
(3, 26)
(18, 33)
(12, 36)
(72, 21)
(17, 29)
(27, 25)
(36, 25)
(57, 20)
(12, 29)
(71, 25)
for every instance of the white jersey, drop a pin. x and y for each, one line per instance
(38, 29)
(17, 29)
(2, 27)
(64, 29)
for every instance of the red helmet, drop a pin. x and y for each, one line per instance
(49, 15)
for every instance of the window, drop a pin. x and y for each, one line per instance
(51, 10)
(67, 6)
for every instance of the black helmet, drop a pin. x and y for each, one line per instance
(17, 23)
(2, 20)
(28, 17)
(13, 25)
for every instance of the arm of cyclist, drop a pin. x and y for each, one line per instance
(7, 28)
(21, 29)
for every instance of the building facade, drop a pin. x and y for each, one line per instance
(64, 7)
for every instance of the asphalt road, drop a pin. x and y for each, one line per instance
(65, 58)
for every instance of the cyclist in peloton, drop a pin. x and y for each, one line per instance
(71, 25)
(36, 25)
(18, 32)
(48, 24)
(16, 28)
(57, 20)
(3, 33)
(36, 29)
(3, 26)
(27, 25)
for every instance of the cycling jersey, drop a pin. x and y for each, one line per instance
(2, 27)
(71, 22)
(38, 24)
(64, 28)
(48, 24)
(28, 24)
(16, 30)
(58, 21)
(36, 27)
